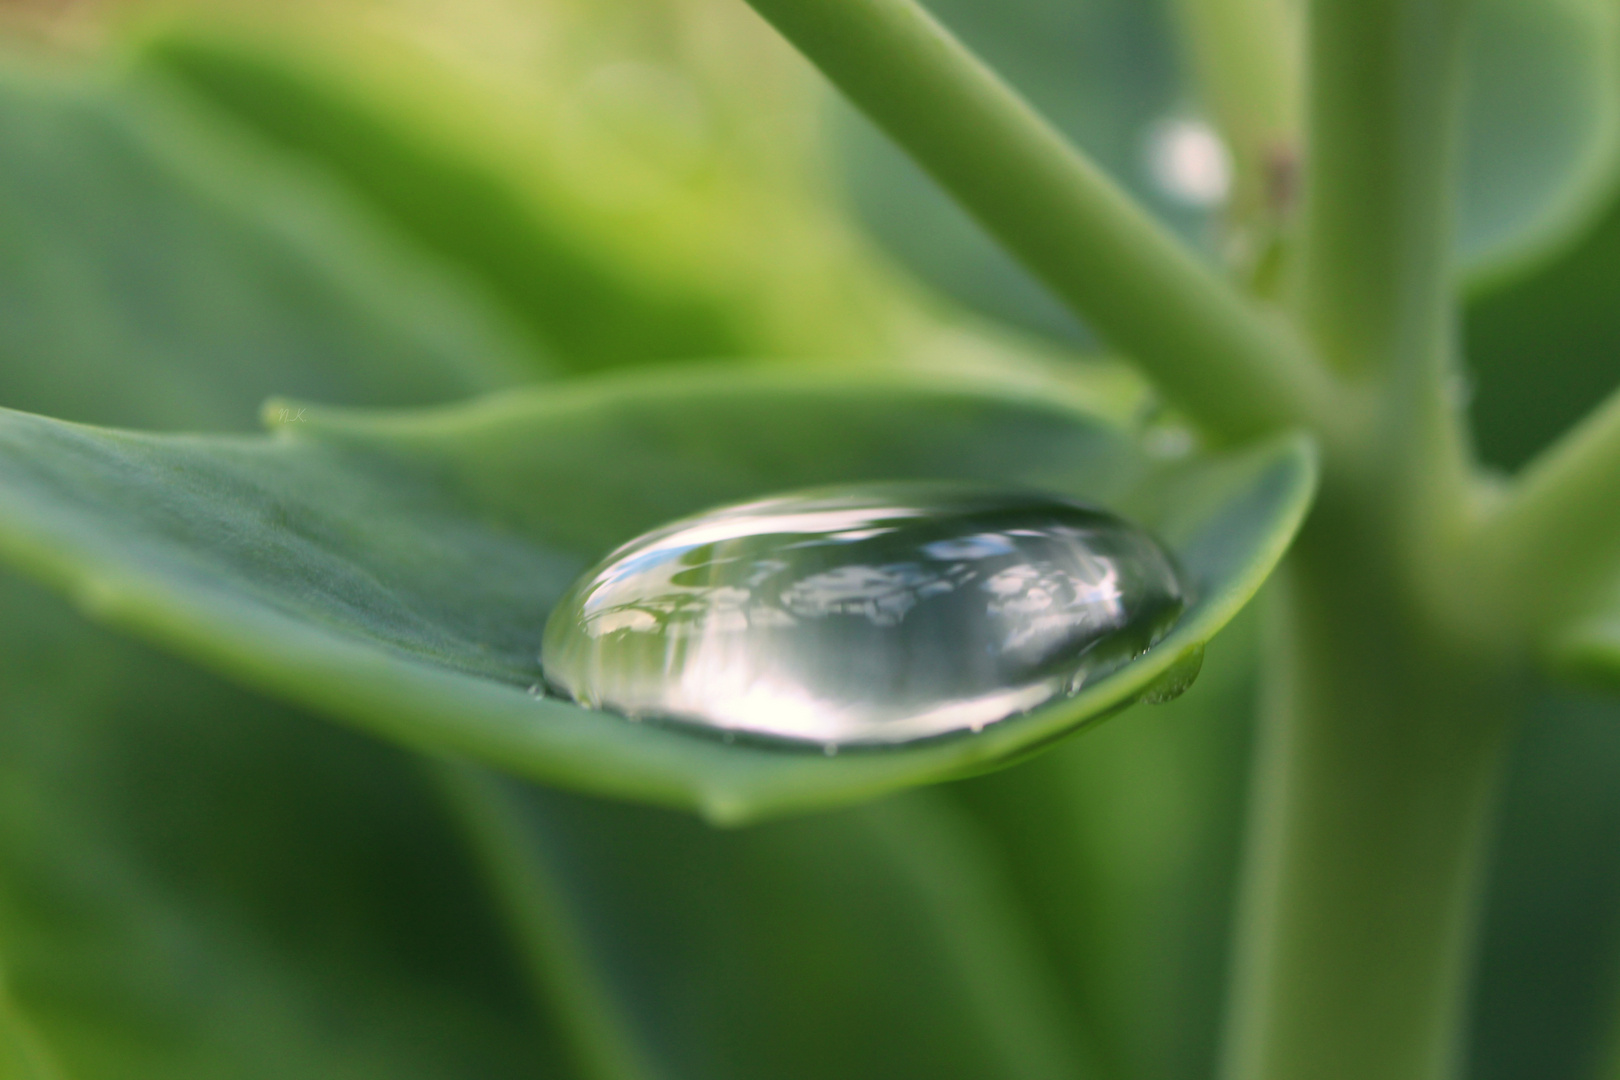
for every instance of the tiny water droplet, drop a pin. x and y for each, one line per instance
(1182, 674)
(862, 614)
(536, 690)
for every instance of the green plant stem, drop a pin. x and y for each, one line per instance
(1384, 87)
(566, 980)
(1246, 58)
(1557, 528)
(1214, 353)
(1379, 758)
(1376, 289)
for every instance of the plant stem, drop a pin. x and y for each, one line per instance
(1380, 753)
(1213, 352)
(1376, 290)
(1558, 527)
(1384, 728)
(1383, 95)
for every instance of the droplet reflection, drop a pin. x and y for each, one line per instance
(866, 614)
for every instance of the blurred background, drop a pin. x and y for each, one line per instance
(402, 202)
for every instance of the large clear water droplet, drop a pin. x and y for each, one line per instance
(862, 614)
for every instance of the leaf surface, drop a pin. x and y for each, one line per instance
(1542, 347)
(825, 946)
(1124, 844)
(396, 571)
(143, 247)
(196, 881)
(1541, 129)
(1550, 938)
(607, 210)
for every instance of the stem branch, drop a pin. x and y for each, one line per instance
(1558, 528)
(1212, 352)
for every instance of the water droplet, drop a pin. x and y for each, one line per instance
(536, 690)
(1182, 674)
(862, 614)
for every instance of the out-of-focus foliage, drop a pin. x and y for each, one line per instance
(1542, 139)
(611, 209)
(1542, 130)
(196, 881)
(369, 209)
(144, 244)
(1542, 348)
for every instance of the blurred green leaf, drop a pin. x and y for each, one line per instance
(536, 259)
(1542, 138)
(1549, 969)
(195, 882)
(143, 247)
(602, 213)
(198, 882)
(1124, 845)
(1542, 129)
(396, 570)
(21, 1053)
(875, 942)
(1542, 348)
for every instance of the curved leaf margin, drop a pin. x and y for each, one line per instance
(1230, 520)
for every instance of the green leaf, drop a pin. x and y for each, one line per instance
(136, 234)
(196, 882)
(879, 941)
(1547, 967)
(607, 214)
(396, 571)
(1542, 347)
(1542, 130)
(1541, 154)
(1124, 846)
